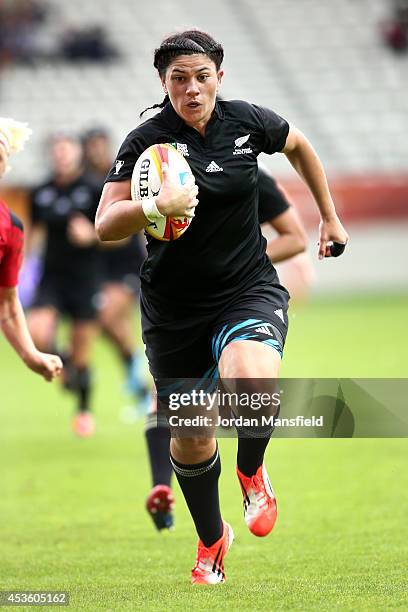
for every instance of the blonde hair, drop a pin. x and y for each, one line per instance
(13, 134)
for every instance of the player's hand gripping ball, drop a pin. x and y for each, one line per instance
(146, 182)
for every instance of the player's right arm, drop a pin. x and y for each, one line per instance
(275, 210)
(14, 326)
(118, 216)
(291, 238)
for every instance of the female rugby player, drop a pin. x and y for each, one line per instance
(13, 135)
(63, 210)
(208, 297)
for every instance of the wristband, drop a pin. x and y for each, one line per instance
(336, 249)
(150, 210)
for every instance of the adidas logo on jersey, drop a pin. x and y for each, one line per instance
(213, 167)
(264, 330)
(279, 313)
(119, 163)
(238, 144)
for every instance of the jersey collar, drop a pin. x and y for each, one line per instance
(176, 123)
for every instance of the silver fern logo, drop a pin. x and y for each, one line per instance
(239, 142)
(242, 140)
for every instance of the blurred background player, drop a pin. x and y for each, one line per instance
(63, 209)
(120, 266)
(285, 233)
(288, 241)
(13, 135)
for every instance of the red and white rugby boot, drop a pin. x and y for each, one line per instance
(83, 424)
(209, 566)
(160, 505)
(260, 509)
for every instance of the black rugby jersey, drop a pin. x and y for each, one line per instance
(53, 205)
(117, 261)
(222, 253)
(272, 201)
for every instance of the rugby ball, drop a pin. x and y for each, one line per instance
(147, 180)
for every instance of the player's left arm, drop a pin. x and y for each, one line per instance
(14, 326)
(307, 164)
(12, 320)
(291, 238)
(82, 233)
(81, 227)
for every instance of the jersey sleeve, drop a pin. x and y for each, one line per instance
(275, 129)
(129, 152)
(96, 191)
(272, 201)
(11, 263)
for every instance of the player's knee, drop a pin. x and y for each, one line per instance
(195, 448)
(250, 360)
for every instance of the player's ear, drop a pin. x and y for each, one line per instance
(163, 82)
(220, 75)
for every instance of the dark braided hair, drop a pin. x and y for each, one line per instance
(189, 42)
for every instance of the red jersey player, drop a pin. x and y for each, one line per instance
(13, 134)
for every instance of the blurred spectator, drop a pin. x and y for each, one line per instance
(395, 30)
(87, 44)
(19, 22)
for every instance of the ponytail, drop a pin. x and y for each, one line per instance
(162, 104)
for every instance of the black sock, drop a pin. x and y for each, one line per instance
(199, 483)
(157, 435)
(127, 359)
(83, 388)
(252, 443)
(250, 454)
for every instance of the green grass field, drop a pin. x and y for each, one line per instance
(72, 515)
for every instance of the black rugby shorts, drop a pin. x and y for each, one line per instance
(77, 299)
(189, 345)
(122, 265)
